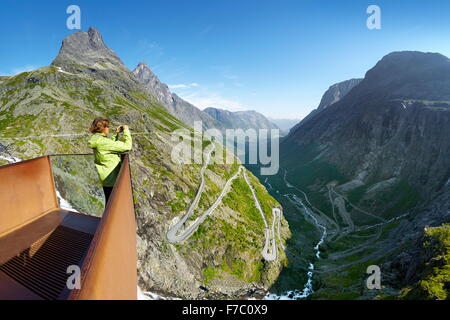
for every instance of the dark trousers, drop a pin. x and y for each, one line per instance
(107, 191)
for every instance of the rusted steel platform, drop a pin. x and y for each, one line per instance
(39, 240)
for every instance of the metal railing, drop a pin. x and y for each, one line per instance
(109, 267)
(27, 191)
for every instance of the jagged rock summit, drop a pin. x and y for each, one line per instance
(87, 49)
(86, 52)
(147, 77)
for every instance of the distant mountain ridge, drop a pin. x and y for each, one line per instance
(240, 119)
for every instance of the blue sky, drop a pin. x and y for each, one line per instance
(276, 57)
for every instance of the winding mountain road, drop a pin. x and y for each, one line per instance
(276, 215)
(269, 252)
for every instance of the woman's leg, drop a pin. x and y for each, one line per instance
(107, 191)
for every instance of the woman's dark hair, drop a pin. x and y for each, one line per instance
(98, 125)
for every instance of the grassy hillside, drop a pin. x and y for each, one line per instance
(434, 283)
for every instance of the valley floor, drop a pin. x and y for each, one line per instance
(330, 250)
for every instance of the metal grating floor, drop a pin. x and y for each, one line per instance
(42, 267)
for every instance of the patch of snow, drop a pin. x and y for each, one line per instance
(9, 158)
(59, 69)
(147, 295)
(141, 295)
(63, 203)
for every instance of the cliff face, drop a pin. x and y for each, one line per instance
(334, 93)
(48, 111)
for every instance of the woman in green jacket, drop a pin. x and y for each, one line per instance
(106, 151)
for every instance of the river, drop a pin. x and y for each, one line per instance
(307, 290)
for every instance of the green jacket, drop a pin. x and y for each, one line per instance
(107, 159)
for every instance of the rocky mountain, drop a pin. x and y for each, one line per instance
(240, 119)
(334, 93)
(87, 49)
(178, 107)
(384, 127)
(48, 111)
(375, 162)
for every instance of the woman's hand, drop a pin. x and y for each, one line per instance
(121, 128)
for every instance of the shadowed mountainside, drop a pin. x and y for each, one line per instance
(379, 153)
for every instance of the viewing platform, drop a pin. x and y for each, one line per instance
(41, 243)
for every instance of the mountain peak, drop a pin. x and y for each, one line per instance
(414, 55)
(95, 38)
(145, 74)
(87, 49)
(409, 62)
(409, 74)
(142, 65)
